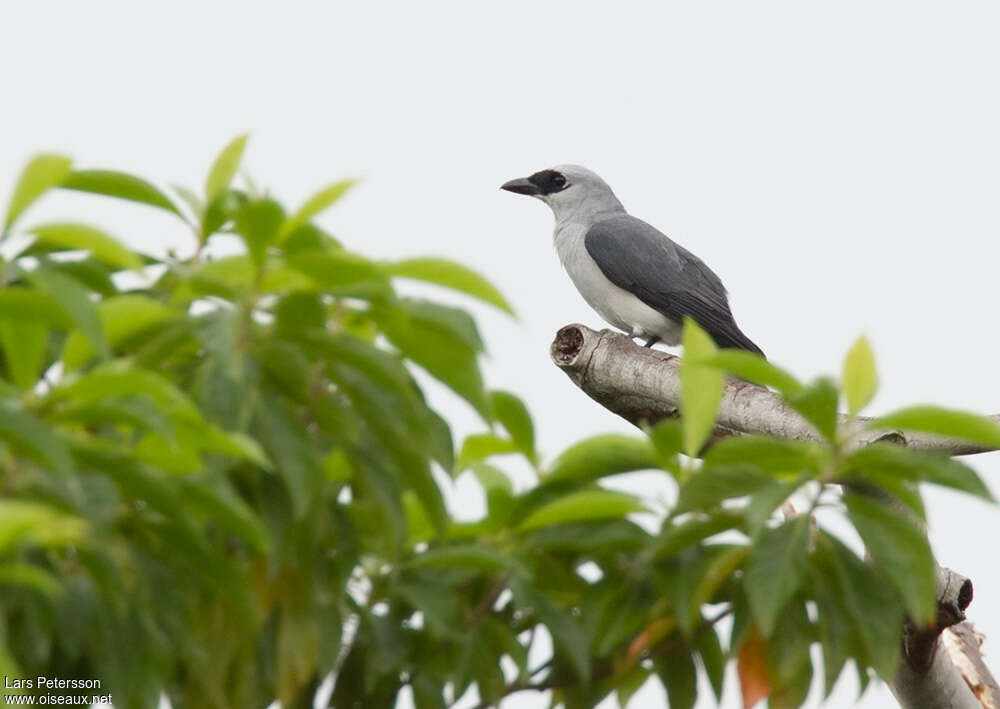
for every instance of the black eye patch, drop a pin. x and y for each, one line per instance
(548, 181)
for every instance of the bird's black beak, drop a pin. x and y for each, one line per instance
(522, 185)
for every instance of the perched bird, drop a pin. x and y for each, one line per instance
(633, 275)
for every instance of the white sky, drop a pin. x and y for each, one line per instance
(836, 165)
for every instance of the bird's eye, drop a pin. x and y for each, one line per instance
(558, 180)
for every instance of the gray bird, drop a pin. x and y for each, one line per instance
(633, 275)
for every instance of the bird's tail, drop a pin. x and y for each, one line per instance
(736, 340)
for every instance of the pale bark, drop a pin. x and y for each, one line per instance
(942, 666)
(640, 383)
(964, 646)
(928, 677)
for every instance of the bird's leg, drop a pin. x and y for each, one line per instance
(652, 341)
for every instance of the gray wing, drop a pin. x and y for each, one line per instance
(665, 276)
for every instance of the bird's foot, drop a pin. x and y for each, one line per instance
(651, 341)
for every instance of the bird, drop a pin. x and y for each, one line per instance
(632, 274)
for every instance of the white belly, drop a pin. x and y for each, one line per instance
(616, 305)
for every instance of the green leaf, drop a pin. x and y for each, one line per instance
(568, 637)
(119, 184)
(27, 523)
(835, 633)
(24, 345)
(766, 500)
(428, 693)
(438, 601)
(231, 275)
(668, 439)
(299, 312)
(422, 482)
(900, 491)
(885, 462)
(457, 323)
(582, 505)
(385, 519)
(297, 648)
(442, 340)
(776, 569)
(75, 302)
(121, 317)
(31, 305)
(337, 467)
(8, 390)
(419, 527)
(675, 538)
(788, 657)
(485, 643)
(859, 614)
(441, 444)
(449, 274)
(677, 673)
(628, 685)
(338, 271)
(224, 168)
(136, 412)
(713, 660)
(220, 211)
(900, 549)
(236, 444)
(701, 388)
(498, 488)
(773, 455)
(192, 200)
(754, 368)
(309, 237)
(600, 456)
(278, 427)
(835, 623)
(510, 411)
(492, 478)
(598, 538)
(121, 378)
(463, 556)
(167, 454)
(710, 486)
(223, 505)
(32, 438)
(859, 378)
(13, 573)
(383, 368)
(704, 580)
(220, 503)
(258, 222)
(85, 238)
(818, 405)
(40, 174)
(91, 272)
(314, 205)
(479, 446)
(944, 422)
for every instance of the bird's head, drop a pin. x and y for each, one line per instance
(567, 189)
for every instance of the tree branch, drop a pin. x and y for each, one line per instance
(643, 384)
(927, 677)
(964, 647)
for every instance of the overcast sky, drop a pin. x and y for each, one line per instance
(837, 165)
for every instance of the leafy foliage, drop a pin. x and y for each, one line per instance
(222, 481)
(859, 380)
(701, 388)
